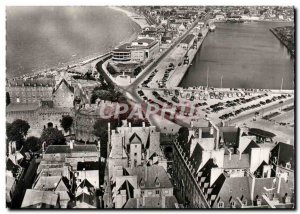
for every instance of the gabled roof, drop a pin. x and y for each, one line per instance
(47, 183)
(129, 189)
(205, 171)
(135, 139)
(152, 203)
(234, 187)
(236, 162)
(285, 153)
(71, 88)
(230, 135)
(258, 172)
(149, 174)
(34, 197)
(53, 149)
(85, 183)
(196, 157)
(83, 197)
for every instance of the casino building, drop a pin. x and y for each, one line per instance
(137, 51)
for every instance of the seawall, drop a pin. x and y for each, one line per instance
(180, 72)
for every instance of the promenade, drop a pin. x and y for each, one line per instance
(180, 71)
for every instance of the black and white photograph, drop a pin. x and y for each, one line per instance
(150, 107)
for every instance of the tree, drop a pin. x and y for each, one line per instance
(246, 11)
(17, 131)
(52, 136)
(137, 70)
(7, 99)
(32, 144)
(66, 123)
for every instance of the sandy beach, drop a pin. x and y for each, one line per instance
(140, 20)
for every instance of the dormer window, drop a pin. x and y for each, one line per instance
(157, 183)
(258, 201)
(221, 204)
(288, 165)
(232, 204)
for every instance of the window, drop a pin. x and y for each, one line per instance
(232, 204)
(135, 146)
(157, 192)
(221, 205)
(142, 192)
(135, 154)
(245, 202)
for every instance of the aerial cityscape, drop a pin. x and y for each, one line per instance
(150, 107)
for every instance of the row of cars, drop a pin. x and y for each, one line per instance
(253, 106)
(162, 83)
(149, 79)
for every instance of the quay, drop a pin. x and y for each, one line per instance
(180, 71)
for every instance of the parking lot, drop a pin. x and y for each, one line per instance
(213, 105)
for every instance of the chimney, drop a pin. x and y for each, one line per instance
(229, 153)
(9, 148)
(43, 147)
(98, 145)
(163, 202)
(138, 203)
(144, 124)
(129, 124)
(192, 124)
(240, 155)
(279, 183)
(145, 168)
(143, 201)
(200, 133)
(71, 144)
(211, 131)
(13, 147)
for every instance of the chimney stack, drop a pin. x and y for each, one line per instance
(71, 144)
(144, 124)
(98, 145)
(163, 202)
(146, 176)
(9, 148)
(200, 134)
(43, 147)
(229, 153)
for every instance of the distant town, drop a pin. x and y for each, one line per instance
(117, 131)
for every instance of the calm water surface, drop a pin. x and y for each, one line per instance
(247, 55)
(42, 37)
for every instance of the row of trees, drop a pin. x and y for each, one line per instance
(17, 131)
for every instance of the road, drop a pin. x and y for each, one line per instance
(130, 91)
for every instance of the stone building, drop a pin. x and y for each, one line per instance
(63, 95)
(30, 91)
(223, 167)
(136, 176)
